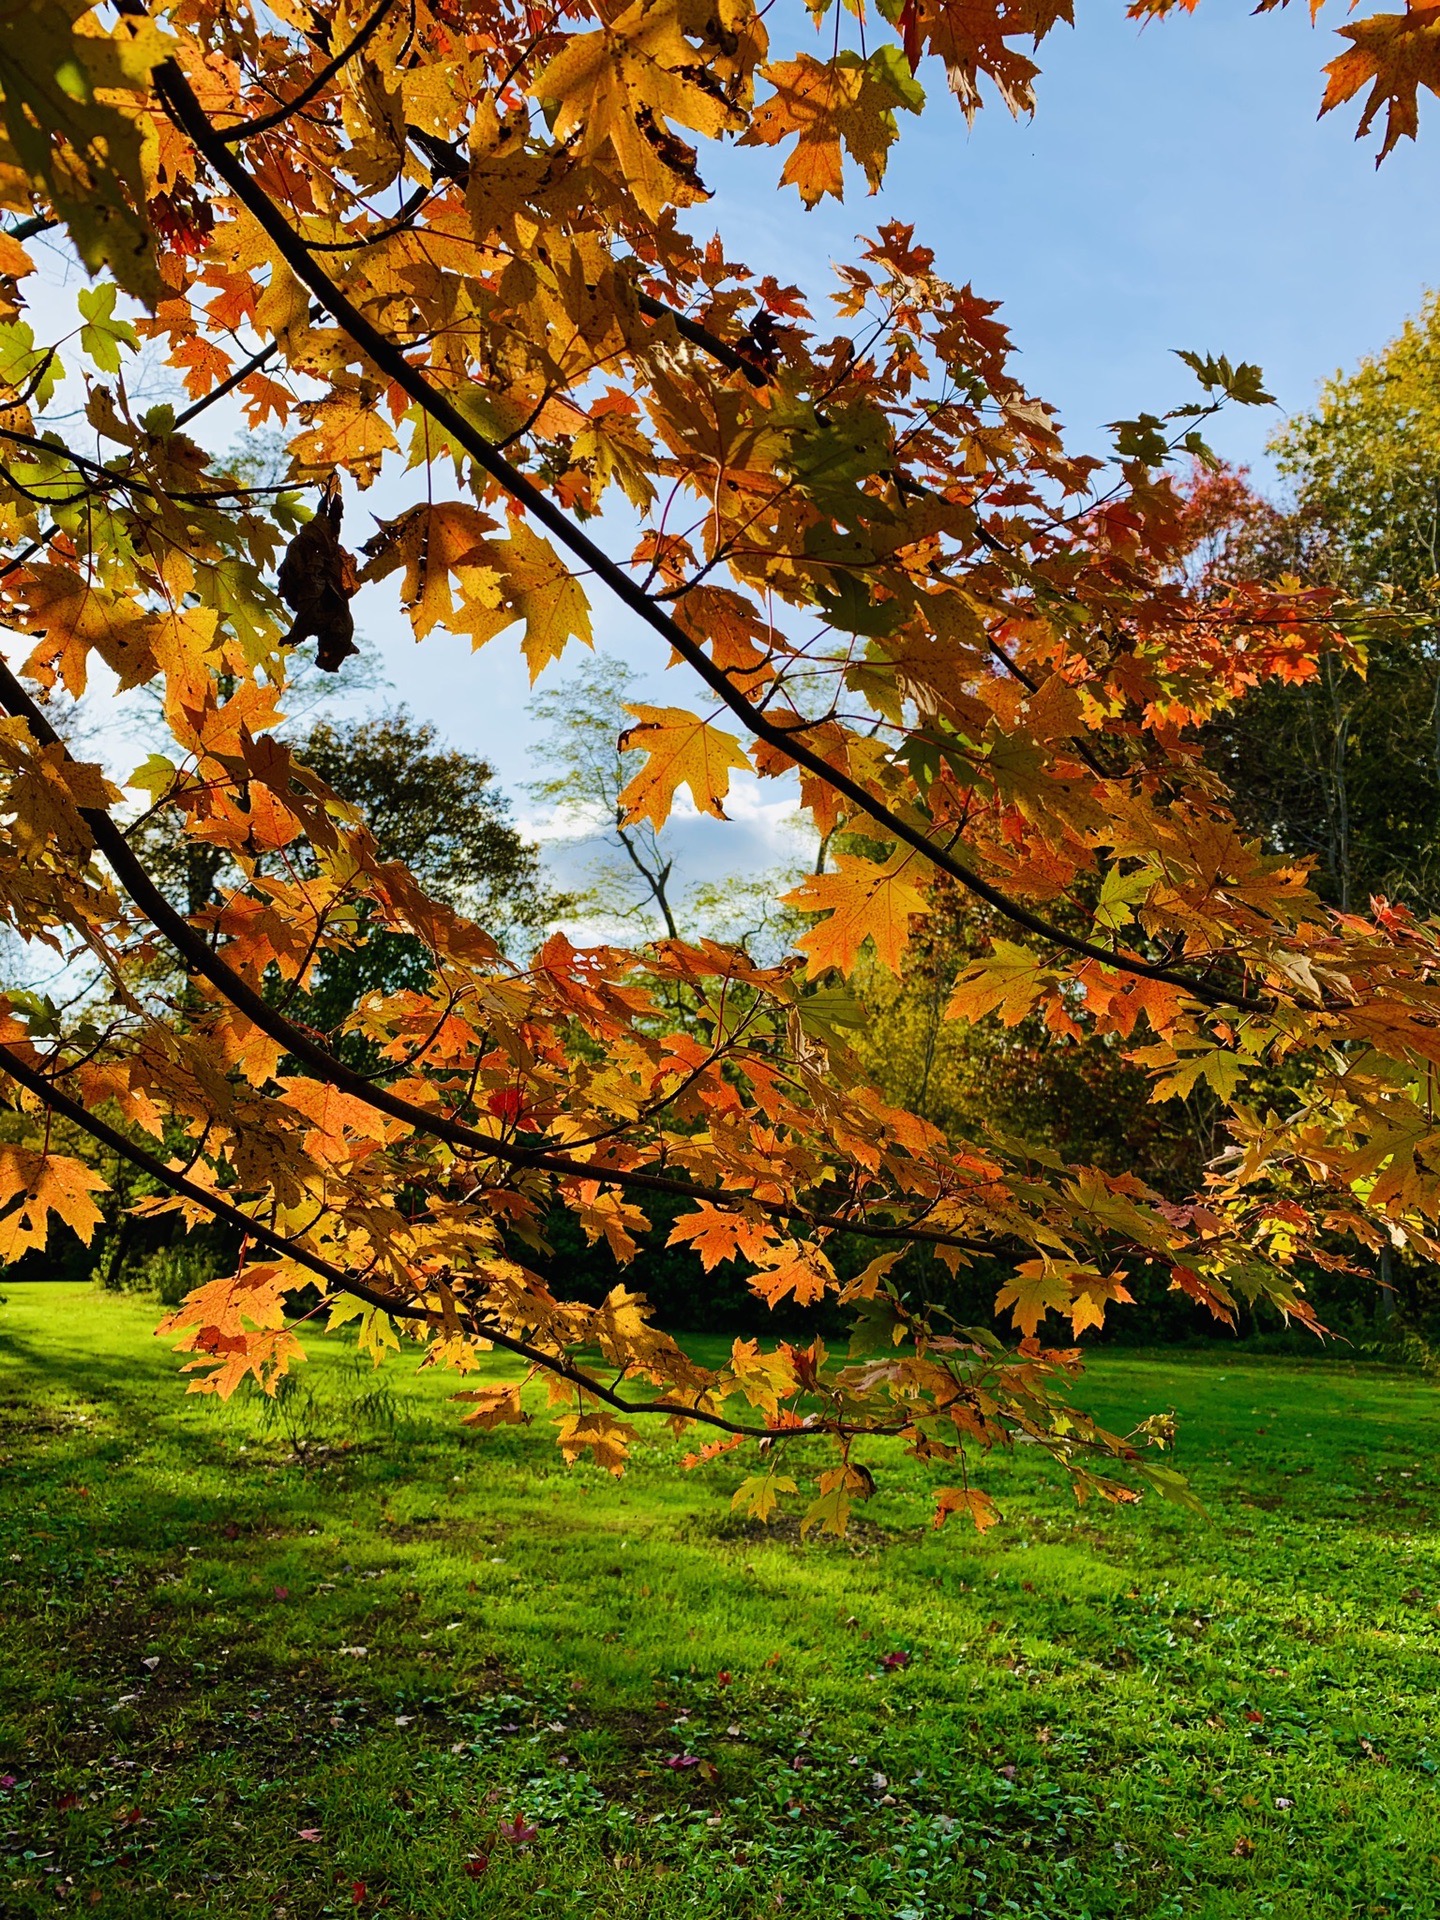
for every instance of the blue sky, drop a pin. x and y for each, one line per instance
(1174, 189)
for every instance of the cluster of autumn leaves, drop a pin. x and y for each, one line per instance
(451, 236)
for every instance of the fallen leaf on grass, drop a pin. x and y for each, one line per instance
(517, 1832)
(477, 1864)
(897, 1659)
(308, 1833)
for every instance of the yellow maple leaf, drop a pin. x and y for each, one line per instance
(607, 1439)
(377, 1335)
(684, 751)
(794, 1268)
(1037, 1288)
(615, 91)
(540, 590)
(764, 1378)
(1218, 1066)
(494, 1407)
(863, 901)
(33, 1185)
(838, 1487)
(346, 429)
(1008, 981)
(759, 1495)
(47, 793)
(1091, 1294)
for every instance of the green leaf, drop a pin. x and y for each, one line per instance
(852, 608)
(1171, 1486)
(1218, 1067)
(102, 335)
(889, 65)
(1120, 894)
(1245, 383)
(1196, 444)
(38, 1011)
(155, 776)
(829, 1014)
(1141, 439)
(829, 454)
(21, 359)
(877, 1328)
(60, 95)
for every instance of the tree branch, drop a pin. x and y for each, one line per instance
(248, 129)
(338, 1280)
(228, 384)
(202, 959)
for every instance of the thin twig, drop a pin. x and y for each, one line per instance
(248, 129)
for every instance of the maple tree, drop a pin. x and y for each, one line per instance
(1349, 771)
(452, 236)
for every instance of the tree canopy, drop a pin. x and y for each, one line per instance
(453, 239)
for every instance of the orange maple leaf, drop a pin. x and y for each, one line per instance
(236, 1325)
(343, 1128)
(863, 901)
(718, 1236)
(434, 542)
(1397, 54)
(980, 1507)
(845, 100)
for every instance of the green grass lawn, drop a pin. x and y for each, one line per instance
(442, 1675)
